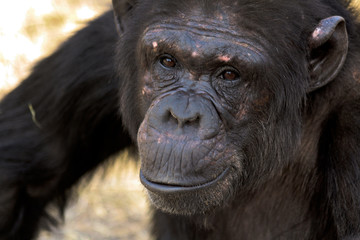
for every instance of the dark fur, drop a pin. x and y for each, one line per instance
(74, 94)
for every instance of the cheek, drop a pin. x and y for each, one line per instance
(147, 90)
(252, 105)
(241, 113)
(261, 103)
(243, 106)
(147, 80)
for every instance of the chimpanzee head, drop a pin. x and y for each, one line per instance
(214, 91)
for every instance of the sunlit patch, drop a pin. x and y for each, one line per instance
(194, 54)
(85, 13)
(356, 5)
(41, 7)
(31, 29)
(11, 65)
(69, 27)
(155, 44)
(224, 58)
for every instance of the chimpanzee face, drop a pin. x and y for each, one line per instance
(221, 104)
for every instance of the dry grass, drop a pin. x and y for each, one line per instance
(112, 206)
(32, 29)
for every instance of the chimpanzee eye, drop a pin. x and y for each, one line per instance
(168, 61)
(229, 75)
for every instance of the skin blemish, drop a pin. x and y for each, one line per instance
(220, 17)
(316, 33)
(146, 91)
(147, 77)
(224, 58)
(356, 75)
(193, 77)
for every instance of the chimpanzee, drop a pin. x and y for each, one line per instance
(246, 116)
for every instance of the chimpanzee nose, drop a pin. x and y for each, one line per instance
(183, 118)
(185, 114)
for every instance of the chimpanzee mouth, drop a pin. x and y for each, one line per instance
(161, 188)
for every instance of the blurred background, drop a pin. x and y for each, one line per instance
(113, 205)
(31, 29)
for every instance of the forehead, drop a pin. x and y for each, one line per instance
(261, 18)
(199, 34)
(217, 19)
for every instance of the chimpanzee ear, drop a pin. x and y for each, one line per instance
(328, 50)
(121, 9)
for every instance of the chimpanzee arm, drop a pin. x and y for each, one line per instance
(59, 123)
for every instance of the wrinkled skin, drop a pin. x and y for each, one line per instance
(246, 116)
(184, 139)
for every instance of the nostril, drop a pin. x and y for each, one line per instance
(183, 120)
(172, 114)
(171, 118)
(192, 120)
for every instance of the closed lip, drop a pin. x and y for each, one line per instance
(160, 188)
